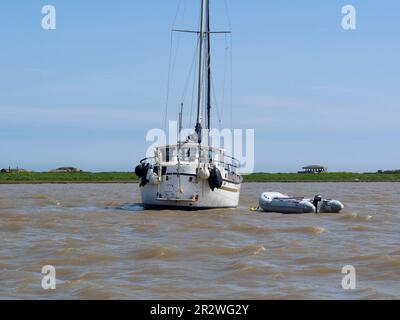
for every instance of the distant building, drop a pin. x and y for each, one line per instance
(389, 171)
(66, 169)
(314, 169)
(12, 170)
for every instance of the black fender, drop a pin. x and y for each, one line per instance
(215, 180)
(139, 170)
(143, 178)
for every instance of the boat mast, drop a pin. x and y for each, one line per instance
(200, 79)
(208, 44)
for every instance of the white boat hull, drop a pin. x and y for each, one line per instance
(192, 195)
(193, 174)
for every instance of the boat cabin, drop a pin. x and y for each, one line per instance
(189, 153)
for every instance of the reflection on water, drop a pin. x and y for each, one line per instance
(104, 245)
(132, 207)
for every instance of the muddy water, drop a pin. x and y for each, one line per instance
(104, 247)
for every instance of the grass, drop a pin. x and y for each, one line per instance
(129, 177)
(323, 177)
(73, 177)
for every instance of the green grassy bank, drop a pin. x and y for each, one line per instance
(73, 177)
(128, 177)
(323, 177)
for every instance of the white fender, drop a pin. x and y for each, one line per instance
(153, 177)
(204, 173)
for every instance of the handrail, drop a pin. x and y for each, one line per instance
(145, 159)
(235, 163)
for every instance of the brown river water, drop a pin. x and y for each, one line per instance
(103, 246)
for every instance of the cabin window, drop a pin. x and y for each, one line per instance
(212, 156)
(168, 154)
(188, 154)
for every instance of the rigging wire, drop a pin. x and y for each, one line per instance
(193, 87)
(216, 105)
(224, 76)
(228, 72)
(190, 74)
(176, 14)
(231, 85)
(228, 16)
(231, 63)
(168, 84)
(171, 65)
(186, 87)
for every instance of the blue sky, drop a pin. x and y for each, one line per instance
(86, 93)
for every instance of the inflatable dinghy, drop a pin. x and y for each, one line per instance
(277, 202)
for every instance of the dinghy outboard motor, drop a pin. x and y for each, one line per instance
(215, 180)
(317, 199)
(327, 205)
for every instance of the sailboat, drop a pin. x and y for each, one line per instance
(193, 174)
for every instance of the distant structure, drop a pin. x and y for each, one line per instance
(389, 171)
(66, 169)
(314, 169)
(12, 170)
